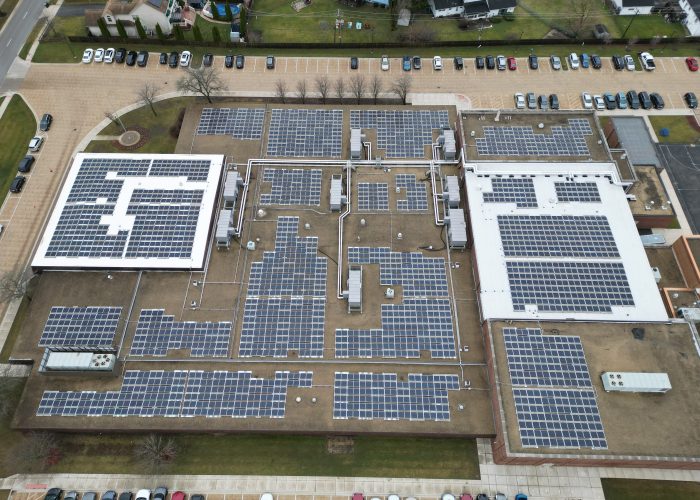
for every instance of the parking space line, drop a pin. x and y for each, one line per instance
(673, 63)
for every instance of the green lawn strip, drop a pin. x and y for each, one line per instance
(7, 7)
(17, 127)
(14, 331)
(644, 27)
(30, 39)
(643, 489)
(680, 130)
(9, 437)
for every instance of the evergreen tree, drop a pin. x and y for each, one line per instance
(215, 11)
(102, 24)
(243, 21)
(229, 14)
(197, 33)
(159, 32)
(179, 35)
(140, 30)
(121, 29)
(215, 35)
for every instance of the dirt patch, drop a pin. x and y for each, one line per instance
(340, 445)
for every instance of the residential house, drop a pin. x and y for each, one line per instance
(633, 7)
(149, 12)
(471, 9)
(692, 21)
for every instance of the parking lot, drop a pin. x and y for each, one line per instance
(683, 167)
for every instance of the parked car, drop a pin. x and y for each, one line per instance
(610, 102)
(208, 60)
(644, 100)
(87, 56)
(573, 61)
(178, 495)
(406, 63)
(25, 164)
(598, 102)
(692, 63)
(385, 63)
(555, 62)
(173, 59)
(459, 63)
(99, 55)
(656, 100)
(197, 497)
(142, 59)
(512, 64)
(633, 99)
(500, 496)
(437, 63)
(354, 63)
(479, 62)
(270, 62)
(163, 58)
(618, 63)
(519, 100)
(160, 493)
(621, 100)
(71, 495)
(554, 101)
(240, 61)
(543, 102)
(35, 143)
(185, 58)
(109, 56)
(490, 62)
(131, 58)
(16, 187)
(501, 63)
(126, 495)
(358, 496)
(647, 61)
(482, 496)
(466, 496)
(109, 495)
(596, 61)
(520, 496)
(143, 495)
(585, 61)
(417, 62)
(228, 61)
(691, 100)
(45, 123)
(120, 55)
(531, 100)
(532, 61)
(90, 495)
(53, 494)
(629, 63)
(586, 100)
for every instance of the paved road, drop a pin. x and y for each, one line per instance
(77, 9)
(16, 31)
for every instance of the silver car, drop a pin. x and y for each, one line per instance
(519, 100)
(555, 62)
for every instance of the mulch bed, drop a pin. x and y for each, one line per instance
(145, 137)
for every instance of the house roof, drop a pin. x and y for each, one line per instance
(447, 4)
(479, 7)
(91, 17)
(501, 4)
(638, 3)
(121, 7)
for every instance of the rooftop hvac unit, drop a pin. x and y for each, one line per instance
(355, 144)
(224, 228)
(452, 194)
(449, 145)
(355, 288)
(337, 198)
(231, 184)
(635, 382)
(456, 228)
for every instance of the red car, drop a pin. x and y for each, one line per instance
(178, 495)
(692, 63)
(512, 65)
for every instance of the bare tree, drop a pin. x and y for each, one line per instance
(580, 15)
(147, 95)
(14, 286)
(323, 86)
(116, 119)
(155, 452)
(281, 90)
(375, 88)
(402, 87)
(340, 89)
(203, 81)
(301, 90)
(357, 86)
(35, 453)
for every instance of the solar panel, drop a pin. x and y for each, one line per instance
(240, 123)
(292, 187)
(92, 326)
(584, 236)
(372, 196)
(157, 333)
(181, 393)
(402, 134)
(305, 133)
(416, 194)
(385, 396)
(523, 141)
(559, 418)
(518, 190)
(545, 360)
(568, 286)
(584, 192)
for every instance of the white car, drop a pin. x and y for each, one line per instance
(143, 495)
(99, 55)
(501, 63)
(598, 102)
(35, 143)
(385, 63)
(519, 100)
(587, 100)
(109, 56)
(629, 62)
(647, 61)
(573, 61)
(87, 56)
(185, 58)
(437, 63)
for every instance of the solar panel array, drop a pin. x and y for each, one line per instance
(568, 286)
(241, 123)
(523, 141)
(92, 326)
(294, 186)
(586, 192)
(157, 333)
(585, 236)
(402, 134)
(407, 329)
(181, 393)
(285, 303)
(305, 133)
(518, 190)
(383, 396)
(372, 196)
(416, 194)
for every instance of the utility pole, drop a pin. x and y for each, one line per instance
(636, 12)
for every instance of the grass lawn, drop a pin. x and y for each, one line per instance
(159, 127)
(641, 489)
(7, 7)
(7, 436)
(14, 331)
(30, 39)
(680, 130)
(17, 127)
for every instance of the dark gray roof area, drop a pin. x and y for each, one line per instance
(634, 137)
(501, 4)
(447, 4)
(480, 7)
(638, 3)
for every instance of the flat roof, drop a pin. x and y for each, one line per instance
(496, 286)
(634, 137)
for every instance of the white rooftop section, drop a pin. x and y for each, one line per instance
(635, 382)
(495, 283)
(132, 211)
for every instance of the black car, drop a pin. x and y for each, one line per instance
(532, 61)
(656, 100)
(163, 59)
(228, 61)
(354, 63)
(142, 59)
(240, 61)
(270, 62)
(25, 164)
(633, 99)
(45, 123)
(691, 100)
(109, 495)
(554, 101)
(173, 59)
(610, 102)
(459, 63)
(618, 62)
(490, 62)
(160, 493)
(17, 183)
(53, 494)
(131, 58)
(479, 62)
(126, 495)
(120, 55)
(596, 62)
(208, 60)
(644, 100)
(543, 102)
(417, 62)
